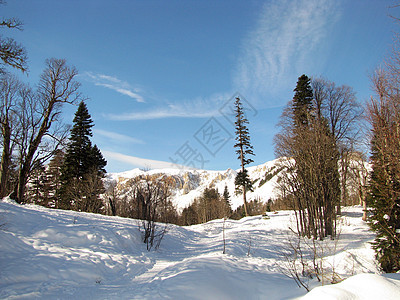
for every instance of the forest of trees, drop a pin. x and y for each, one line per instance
(32, 134)
(43, 161)
(318, 132)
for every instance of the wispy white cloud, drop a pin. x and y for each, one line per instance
(115, 84)
(283, 44)
(141, 162)
(196, 108)
(172, 111)
(117, 137)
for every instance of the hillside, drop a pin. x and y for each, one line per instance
(191, 183)
(55, 254)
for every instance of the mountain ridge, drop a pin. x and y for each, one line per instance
(190, 183)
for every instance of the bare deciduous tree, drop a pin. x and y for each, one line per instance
(151, 195)
(338, 106)
(317, 130)
(10, 94)
(12, 53)
(39, 114)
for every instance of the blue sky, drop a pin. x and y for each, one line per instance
(161, 76)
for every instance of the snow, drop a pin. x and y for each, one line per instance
(198, 180)
(56, 254)
(362, 286)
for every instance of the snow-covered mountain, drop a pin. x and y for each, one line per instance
(190, 183)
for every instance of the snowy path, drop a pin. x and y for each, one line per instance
(53, 254)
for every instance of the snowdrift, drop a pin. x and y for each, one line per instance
(55, 254)
(362, 286)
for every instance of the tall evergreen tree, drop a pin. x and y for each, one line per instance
(78, 157)
(312, 182)
(384, 200)
(244, 149)
(227, 201)
(97, 160)
(384, 184)
(83, 166)
(226, 195)
(302, 100)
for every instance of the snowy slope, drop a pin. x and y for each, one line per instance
(192, 182)
(361, 286)
(55, 254)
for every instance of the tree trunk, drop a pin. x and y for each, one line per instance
(19, 191)
(5, 160)
(364, 217)
(243, 187)
(343, 190)
(244, 200)
(112, 206)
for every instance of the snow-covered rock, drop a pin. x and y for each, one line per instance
(190, 183)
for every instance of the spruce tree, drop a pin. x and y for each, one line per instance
(226, 196)
(97, 160)
(307, 140)
(384, 185)
(227, 201)
(384, 196)
(302, 100)
(77, 160)
(36, 191)
(83, 166)
(244, 149)
(53, 174)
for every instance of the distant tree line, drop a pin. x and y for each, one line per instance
(209, 206)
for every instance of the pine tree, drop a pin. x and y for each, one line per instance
(385, 218)
(302, 100)
(227, 201)
(226, 196)
(83, 167)
(53, 173)
(97, 160)
(313, 182)
(36, 189)
(244, 148)
(243, 179)
(384, 185)
(78, 158)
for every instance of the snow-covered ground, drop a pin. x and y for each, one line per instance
(55, 254)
